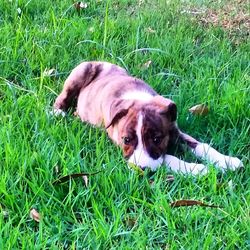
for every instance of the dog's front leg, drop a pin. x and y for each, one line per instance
(206, 152)
(178, 165)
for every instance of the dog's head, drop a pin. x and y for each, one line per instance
(143, 129)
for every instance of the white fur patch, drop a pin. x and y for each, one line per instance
(178, 165)
(115, 135)
(140, 156)
(58, 112)
(107, 67)
(208, 153)
(137, 95)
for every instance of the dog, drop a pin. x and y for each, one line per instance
(142, 122)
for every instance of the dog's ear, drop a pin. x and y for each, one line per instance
(118, 110)
(168, 107)
(170, 112)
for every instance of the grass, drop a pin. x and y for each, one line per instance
(191, 63)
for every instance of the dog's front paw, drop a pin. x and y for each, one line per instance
(228, 162)
(58, 112)
(178, 165)
(197, 169)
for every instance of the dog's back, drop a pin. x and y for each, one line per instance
(80, 77)
(95, 85)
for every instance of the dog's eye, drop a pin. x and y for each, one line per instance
(126, 140)
(157, 140)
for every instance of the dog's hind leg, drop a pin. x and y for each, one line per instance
(206, 152)
(80, 77)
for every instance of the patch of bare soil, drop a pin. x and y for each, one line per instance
(233, 16)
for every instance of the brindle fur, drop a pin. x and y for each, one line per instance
(98, 87)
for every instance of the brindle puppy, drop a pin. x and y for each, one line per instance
(136, 118)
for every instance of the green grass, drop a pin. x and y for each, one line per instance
(191, 63)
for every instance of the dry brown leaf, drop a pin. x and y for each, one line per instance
(56, 169)
(4, 212)
(48, 72)
(151, 182)
(19, 11)
(85, 179)
(75, 114)
(131, 221)
(230, 186)
(80, 5)
(147, 64)
(150, 30)
(220, 186)
(91, 29)
(141, 2)
(200, 109)
(170, 178)
(186, 203)
(35, 215)
(72, 176)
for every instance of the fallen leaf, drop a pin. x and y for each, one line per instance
(220, 186)
(170, 178)
(73, 176)
(85, 179)
(141, 2)
(131, 221)
(19, 11)
(35, 215)
(151, 182)
(150, 30)
(230, 186)
(48, 72)
(199, 109)
(186, 203)
(137, 169)
(5, 213)
(57, 113)
(146, 64)
(91, 29)
(56, 169)
(80, 5)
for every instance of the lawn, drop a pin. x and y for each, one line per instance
(191, 51)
